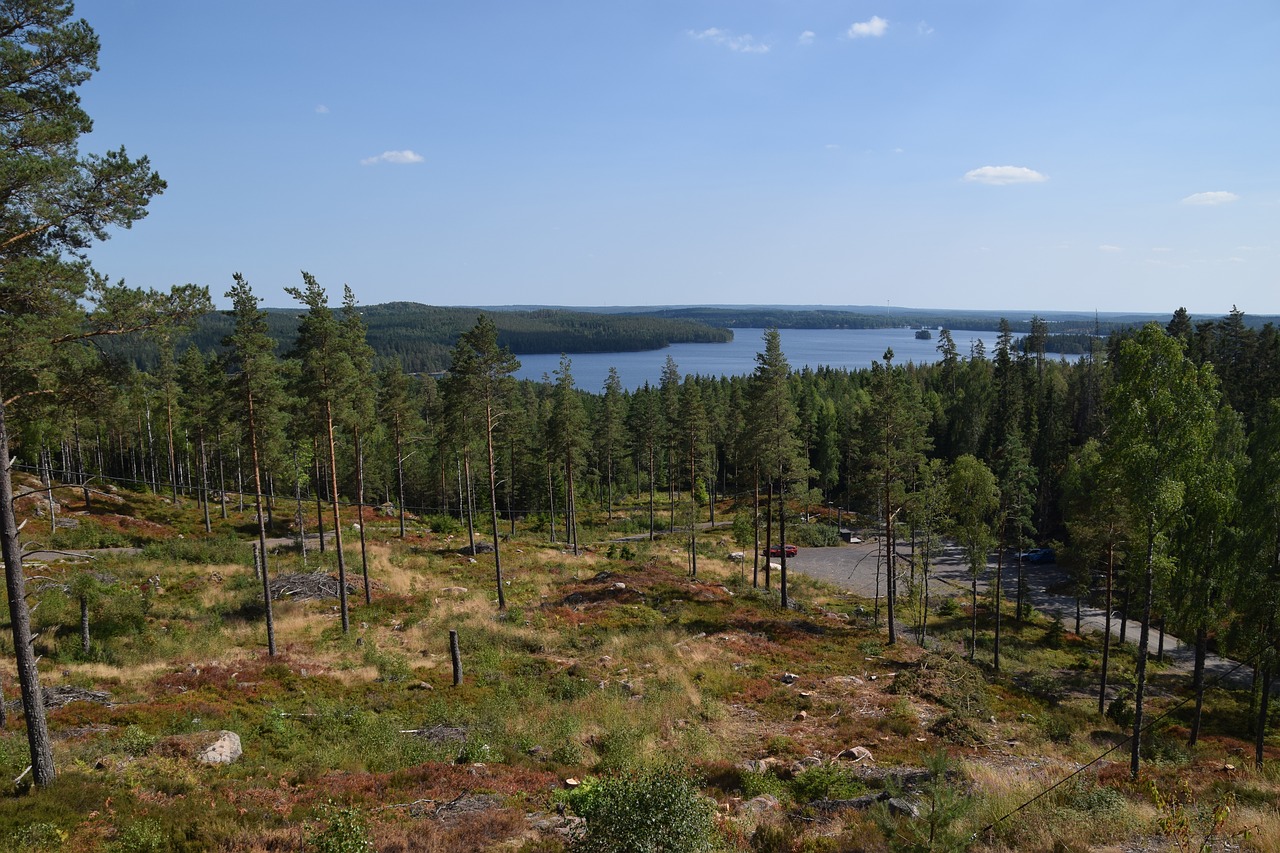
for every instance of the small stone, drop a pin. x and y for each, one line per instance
(618, 586)
(789, 678)
(455, 590)
(224, 750)
(857, 753)
(801, 717)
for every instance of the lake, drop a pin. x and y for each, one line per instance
(849, 349)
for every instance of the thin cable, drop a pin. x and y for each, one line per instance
(1078, 771)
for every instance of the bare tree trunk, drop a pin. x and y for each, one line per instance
(222, 480)
(782, 538)
(84, 625)
(1144, 642)
(468, 500)
(300, 515)
(768, 536)
(262, 531)
(364, 553)
(755, 529)
(551, 492)
(173, 458)
(493, 507)
(204, 486)
(1106, 634)
(337, 519)
(315, 464)
(1264, 706)
(1197, 682)
(400, 479)
(20, 620)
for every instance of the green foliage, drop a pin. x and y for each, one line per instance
(392, 667)
(199, 551)
(943, 804)
(826, 782)
(442, 525)
(658, 809)
(143, 836)
(1054, 634)
(344, 830)
(37, 837)
(813, 535)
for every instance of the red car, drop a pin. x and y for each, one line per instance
(776, 550)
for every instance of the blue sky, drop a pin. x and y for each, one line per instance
(1020, 155)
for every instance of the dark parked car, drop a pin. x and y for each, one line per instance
(776, 550)
(1040, 555)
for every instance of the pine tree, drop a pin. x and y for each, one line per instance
(481, 379)
(54, 204)
(327, 380)
(257, 391)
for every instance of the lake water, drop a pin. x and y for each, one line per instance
(839, 348)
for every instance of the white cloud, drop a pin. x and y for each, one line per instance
(924, 29)
(322, 109)
(399, 158)
(807, 37)
(831, 146)
(1210, 198)
(744, 43)
(1002, 175)
(1161, 249)
(1107, 247)
(873, 28)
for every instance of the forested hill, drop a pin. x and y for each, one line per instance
(421, 336)
(1058, 323)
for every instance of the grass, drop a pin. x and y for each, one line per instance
(577, 678)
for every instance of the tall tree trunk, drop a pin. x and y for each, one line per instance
(468, 500)
(1264, 706)
(315, 464)
(173, 459)
(20, 621)
(1144, 640)
(222, 479)
(1197, 682)
(768, 535)
(755, 530)
(364, 552)
(204, 485)
(1106, 634)
(652, 488)
(890, 573)
(551, 494)
(400, 480)
(262, 529)
(782, 538)
(999, 594)
(493, 508)
(298, 513)
(337, 518)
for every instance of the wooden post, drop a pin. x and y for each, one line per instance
(456, 654)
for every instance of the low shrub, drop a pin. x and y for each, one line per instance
(658, 809)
